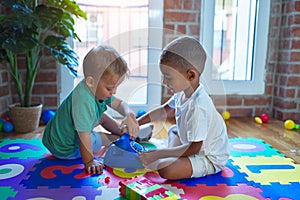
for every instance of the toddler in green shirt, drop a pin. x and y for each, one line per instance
(69, 134)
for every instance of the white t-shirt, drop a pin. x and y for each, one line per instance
(198, 120)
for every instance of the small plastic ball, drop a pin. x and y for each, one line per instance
(7, 127)
(297, 126)
(140, 113)
(258, 120)
(107, 179)
(226, 115)
(264, 117)
(8, 119)
(47, 115)
(289, 124)
(1, 124)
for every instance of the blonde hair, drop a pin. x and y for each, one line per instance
(104, 60)
(184, 53)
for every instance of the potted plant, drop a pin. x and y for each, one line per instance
(33, 29)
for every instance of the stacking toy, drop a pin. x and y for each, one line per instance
(141, 188)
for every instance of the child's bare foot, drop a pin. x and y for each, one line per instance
(101, 152)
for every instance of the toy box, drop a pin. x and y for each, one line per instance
(141, 188)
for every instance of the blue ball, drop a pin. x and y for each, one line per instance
(140, 113)
(7, 127)
(47, 115)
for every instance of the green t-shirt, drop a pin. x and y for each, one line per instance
(80, 111)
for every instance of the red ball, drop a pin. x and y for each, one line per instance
(264, 117)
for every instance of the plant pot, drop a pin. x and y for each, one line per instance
(25, 119)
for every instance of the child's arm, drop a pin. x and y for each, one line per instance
(178, 151)
(85, 145)
(110, 124)
(129, 120)
(156, 114)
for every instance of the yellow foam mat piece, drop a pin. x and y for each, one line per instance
(288, 173)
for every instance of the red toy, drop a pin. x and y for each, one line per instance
(264, 117)
(107, 179)
(140, 188)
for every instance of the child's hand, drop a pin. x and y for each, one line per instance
(131, 124)
(94, 167)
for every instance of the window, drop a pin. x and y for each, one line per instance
(234, 34)
(134, 29)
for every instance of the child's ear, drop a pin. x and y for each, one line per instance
(191, 74)
(90, 82)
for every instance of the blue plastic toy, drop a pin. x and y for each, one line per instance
(47, 115)
(124, 153)
(7, 127)
(140, 113)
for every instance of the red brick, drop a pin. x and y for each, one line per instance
(295, 56)
(194, 29)
(240, 112)
(197, 4)
(234, 101)
(284, 103)
(45, 89)
(4, 91)
(174, 4)
(180, 17)
(219, 100)
(46, 77)
(295, 32)
(293, 81)
(295, 116)
(289, 93)
(257, 100)
(188, 4)
(169, 27)
(181, 29)
(51, 101)
(4, 76)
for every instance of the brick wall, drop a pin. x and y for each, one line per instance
(282, 92)
(46, 89)
(285, 59)
(5, 94)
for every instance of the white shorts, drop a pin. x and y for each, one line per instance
(201, 166)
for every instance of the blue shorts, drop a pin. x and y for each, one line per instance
(96, 146)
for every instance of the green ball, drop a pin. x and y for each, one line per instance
(1, 124)
(297, 126)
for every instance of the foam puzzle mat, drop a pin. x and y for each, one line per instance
(255, 170)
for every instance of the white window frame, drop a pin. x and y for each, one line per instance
(154, 94)
(257, 84)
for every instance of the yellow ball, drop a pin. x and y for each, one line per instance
(258, 120)
(226, 115)
(289, 124)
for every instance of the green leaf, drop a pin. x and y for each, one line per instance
(47, 16)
